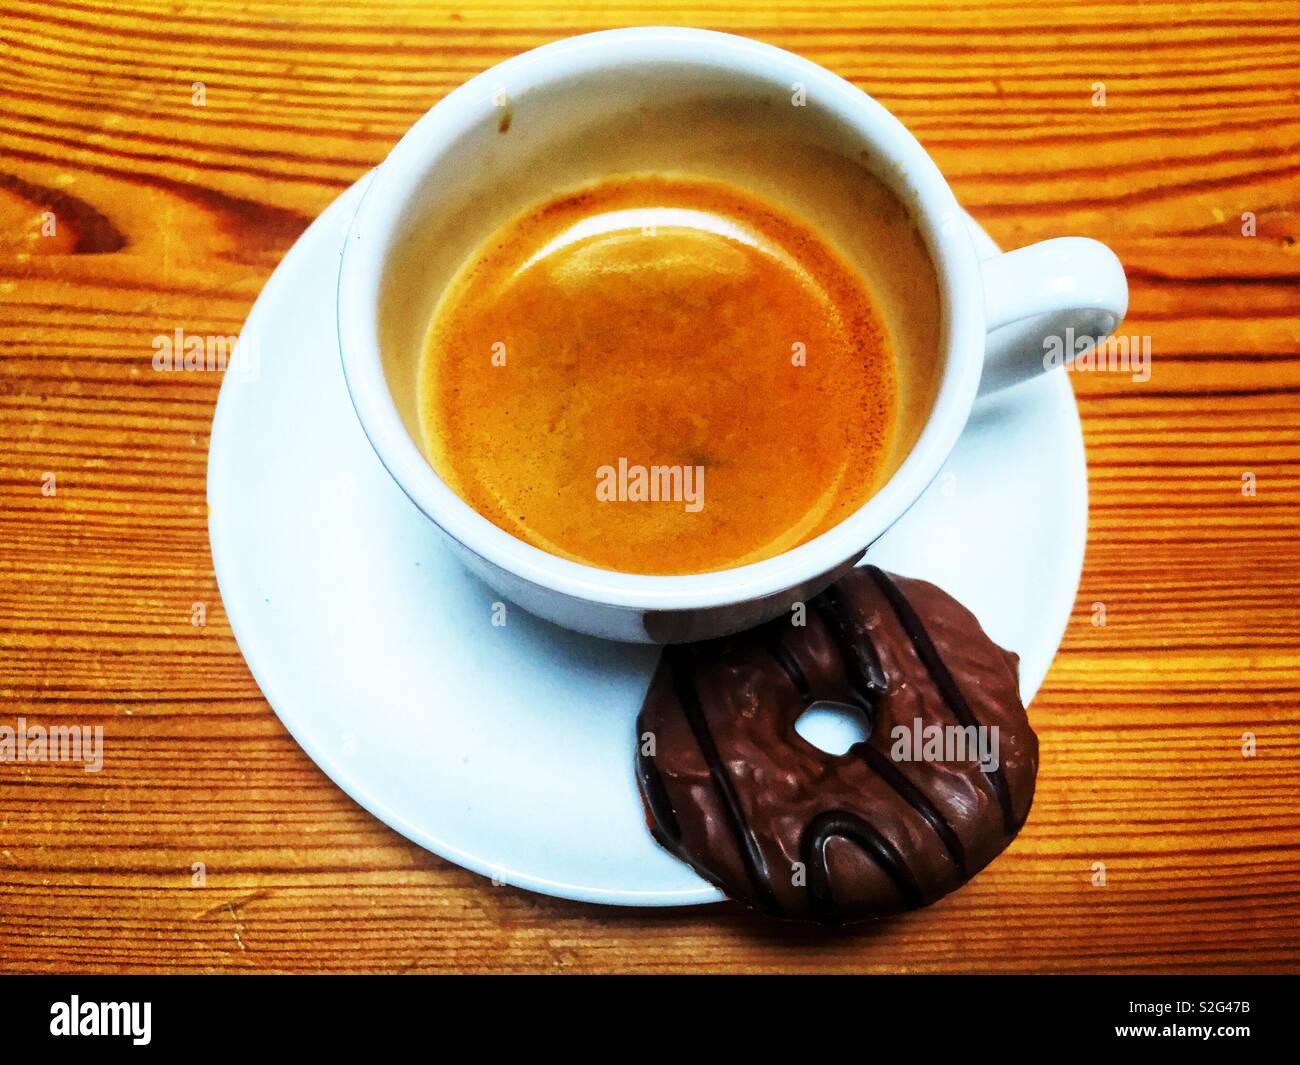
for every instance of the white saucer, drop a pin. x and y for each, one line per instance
(509, 750)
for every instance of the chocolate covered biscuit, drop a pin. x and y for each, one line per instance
(939, 788)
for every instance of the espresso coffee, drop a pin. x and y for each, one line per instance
(659, 374)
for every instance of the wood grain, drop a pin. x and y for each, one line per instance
(173, 215)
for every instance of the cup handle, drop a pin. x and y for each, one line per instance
(1046, 304)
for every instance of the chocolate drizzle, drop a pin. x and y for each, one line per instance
(943, 680)
(787, 662)
(755, 865)
(916, 798)
(860, 658)
(840, 824)
(870, 683)
(876, 761)
(663, 820)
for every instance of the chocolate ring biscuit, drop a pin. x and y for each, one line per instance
(936, 791)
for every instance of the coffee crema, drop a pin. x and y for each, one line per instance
(658, 374)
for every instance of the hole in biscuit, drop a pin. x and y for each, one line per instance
(833, 727)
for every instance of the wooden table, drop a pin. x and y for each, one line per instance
(171, 214)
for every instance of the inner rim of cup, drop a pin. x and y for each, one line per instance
(578, 67)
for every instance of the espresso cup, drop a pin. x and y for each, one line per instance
(719, 106)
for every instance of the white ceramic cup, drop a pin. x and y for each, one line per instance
(515, 120)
